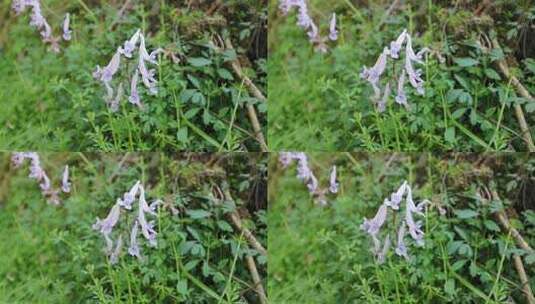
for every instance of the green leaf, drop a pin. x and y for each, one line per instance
(458, 113)
(449, 135)
(225, 74)
(198, 214)
(224, 226)
(496, 54)
(199, 61)
(491, 225)
(530, 259)
(465, 62)
(492, 74)
(449, 287)
(466, 213)
(530, 64)
(530, 107)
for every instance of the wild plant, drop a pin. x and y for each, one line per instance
(39, 21)
(38, 173)
(305, 174)
(307, 23)
(373, 74)
(106, 225)
(373, 226)
(105, 75)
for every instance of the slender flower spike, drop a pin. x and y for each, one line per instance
(65, 184)
(143, 203)
(401, 249)
(332, 180)
(106, 75)
(372, 75)
(134, 95)
(372, 226)
(105, 226)
(306, 23)
(66, 31)
(333, 33)
(133, 249)
(401, 98)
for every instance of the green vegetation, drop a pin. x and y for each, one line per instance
(50, 254)
(320, 254)
(50, 102)
(319, 102)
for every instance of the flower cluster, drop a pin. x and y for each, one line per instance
(105, 75)
(373, 226)
(307, 23)
(373, 74)
(305, 174)
(105, 226)
(38, 20)
(38, 173)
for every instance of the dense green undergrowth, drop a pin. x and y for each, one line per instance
(320, 254)
(51, 101)
(51, 254)
(319, 102)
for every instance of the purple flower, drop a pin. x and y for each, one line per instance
(146, 227)
(45, 182)
(395, 46)
(414, 76)
(65, 184)
(333, 187)
(134, 249)
(106, 75)
(134, 95)
(106, 225)
(372, 226)
(396, 197)
(130, 45)
(401, 98)
(312, 183)
(66, 31)
(333, 33)
(401, 249)
(143, 203)
(130, 196)
(18, 157)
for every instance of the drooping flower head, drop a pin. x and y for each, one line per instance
(66, 31)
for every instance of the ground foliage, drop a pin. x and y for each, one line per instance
(50, 254)
(318, 101)
(467, 257)
(51, 102)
